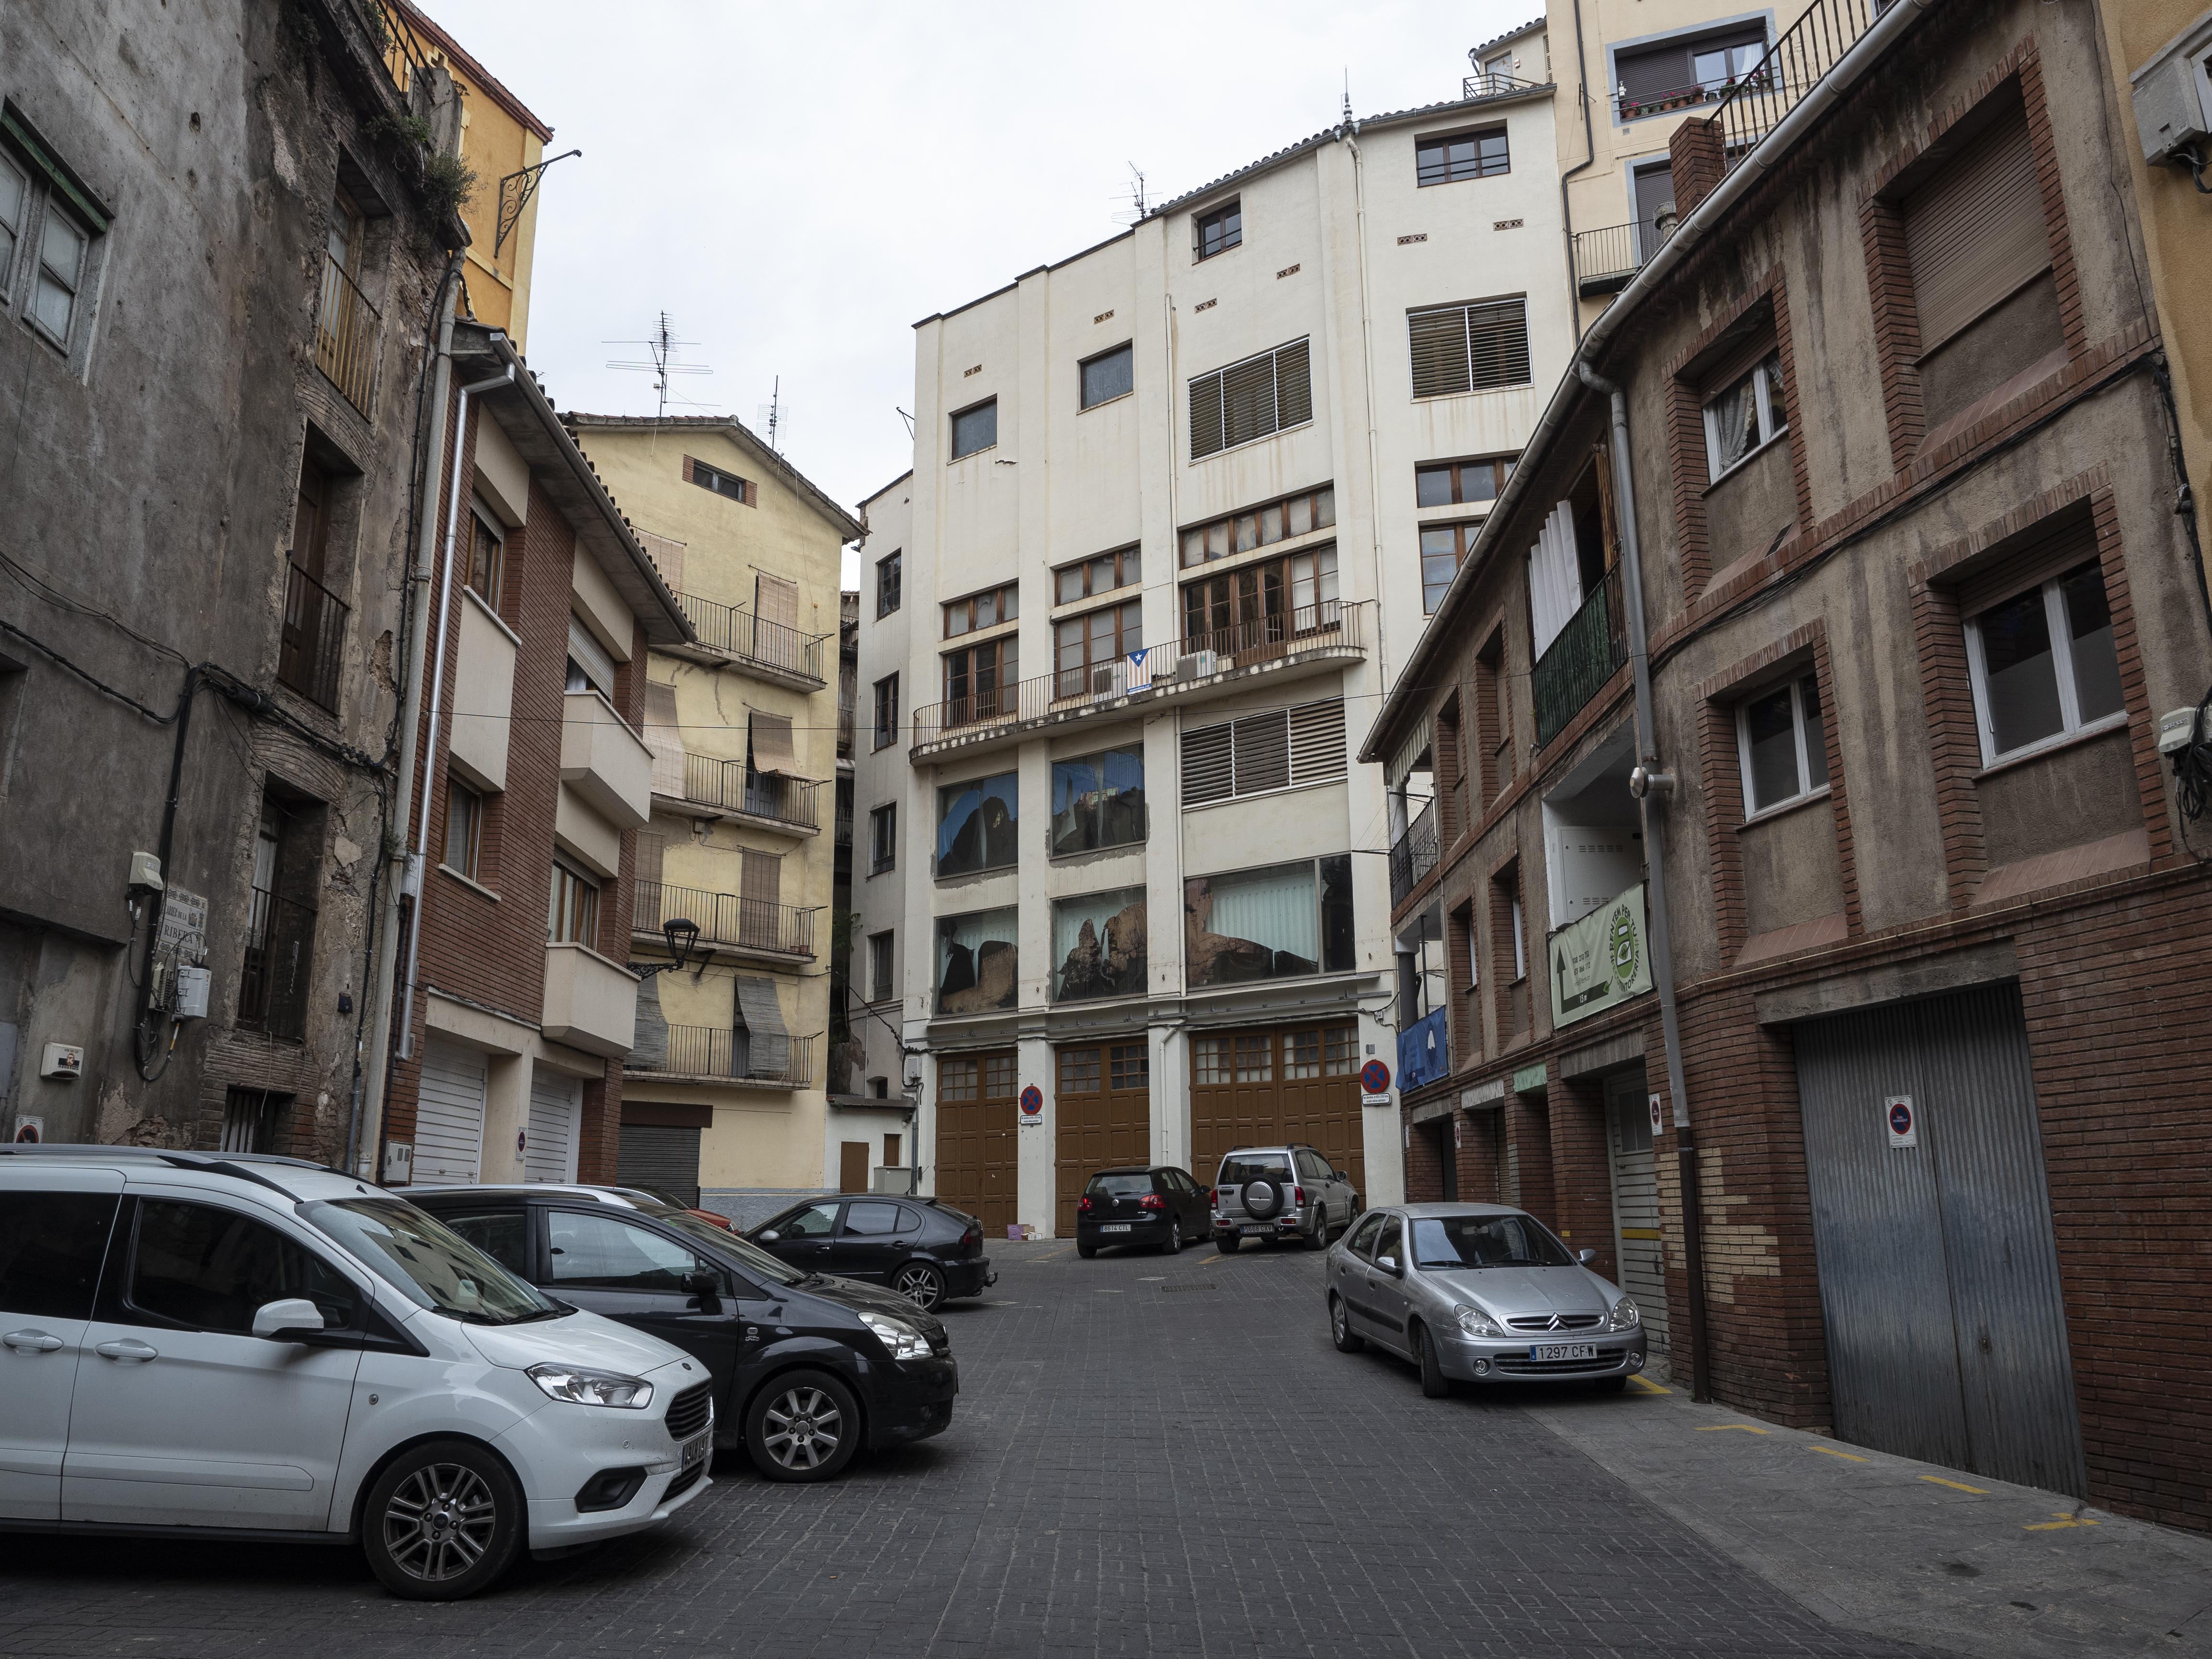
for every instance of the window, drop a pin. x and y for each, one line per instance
(880, 970)
(1090, 652)
(1974, 233)
(883, 839)
(985, 610)
(49, 223)
(2043, 664)
(589, 667)
(1744, 416)
(814, 1221)
(1102, 574)
(980, 681)
(14, 214)
(487, 555)
(887, 583)
(727, 484)
(1717, 69)
(1273, 748)
(598, 1252)
(975, 962)
(1493, 718)
(1443, 549)
(51, 1245)
(1461, 483)
(465, 816)
(1447, 158)
(975, 429)
(200, 1268)
(1217, 232)
(1684, 71)
(1252, 399)
(1240, 532)
(1279, 922)
(1471, 347)
(1262, 604)
(975, 824)
(1098, 945)
(502, 1235)
(1108, 376)
(1098, 801)
(894, 1146)
(875, 1219)
(573, 915)
(280, 926)
(887, 711)
(1781, 745)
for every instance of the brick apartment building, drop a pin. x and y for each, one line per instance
(1891, 500)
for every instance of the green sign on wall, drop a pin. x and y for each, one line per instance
(1600, 961)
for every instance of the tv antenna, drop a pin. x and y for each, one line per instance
(1136, 194)
(661, 349)
(773, 413)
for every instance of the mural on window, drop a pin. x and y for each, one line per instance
(1098, 945)
(975, 825)
(1097, 801)
(975, 962)
(1286, 919)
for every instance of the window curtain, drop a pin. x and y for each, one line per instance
(1271, 907)
(977, 961)
(1555, 582)
(1098, 945)
(976, 828)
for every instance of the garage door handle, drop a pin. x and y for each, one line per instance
(31, 1341)
(129, 1350)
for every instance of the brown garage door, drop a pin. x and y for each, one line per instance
(977, 1102)
(1104, 1109)
(1284, 1083)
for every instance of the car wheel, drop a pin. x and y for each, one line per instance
(1319, 1241)
(1228, 1242)
(443, 1520)
(1174, 1244)
(921, 1285)
(1434, 1384)
(805, 1425)
(1347, 1340)
(1086, 1251)
(1613, 1384)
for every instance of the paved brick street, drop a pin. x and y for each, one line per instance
(1150, 1456)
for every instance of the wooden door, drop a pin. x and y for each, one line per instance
(1266, 1086)
(852, 1166)
(977, 1103)
(1103, 1107)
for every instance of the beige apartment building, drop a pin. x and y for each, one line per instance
(724, 1093)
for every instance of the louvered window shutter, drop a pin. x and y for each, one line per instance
(1263, 751)
(1207, 773)
(665, 738)
(591, 656)
(1317, 741)
(1439, 347)
(760, 876)
(1497, 343)
(771, 742)
(1975, 233)
(1205, 415)
(650, 849)
(776, 600)
(666, 554)
(1248, 400)
(1293, 386)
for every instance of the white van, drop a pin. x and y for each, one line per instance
(195, 1342)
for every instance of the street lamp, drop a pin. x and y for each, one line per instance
(682, 934)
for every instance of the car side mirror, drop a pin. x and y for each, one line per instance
(707, 1286)
(293, 1319)
(1389, 1264)
(1586, 1257)
(769, 1236)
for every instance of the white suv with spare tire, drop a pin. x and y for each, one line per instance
(1280, 1193)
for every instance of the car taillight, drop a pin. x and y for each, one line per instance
(1084, 1207)
(1152, 1201)
(1298, 1194)
(1214, 1196)
(973, 1235)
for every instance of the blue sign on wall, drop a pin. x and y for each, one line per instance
(1424, 1051)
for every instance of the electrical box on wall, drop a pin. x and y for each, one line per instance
(2169, 99)
(62, 1060)
(398, 1163)
(191, 994)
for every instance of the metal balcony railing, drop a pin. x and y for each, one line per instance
(1576, 666)
(1493, 83)
(1413, 854)
(844, 731)
(844, 824)
(1605, 259)
(345, 335)
(713, 1054)
(314, 643)
(272, 984)
(1665, 100)
(750, 924)
(735, 631)
(1793, 66)
(1333, 626)
(725, 784)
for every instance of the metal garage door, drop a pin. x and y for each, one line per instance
(1638, 1245)
(449, 1116)
(556, 1118)
(1102, 1112)
(1280, 1084)
(977, 1102)
(662, 1157)
(1939, 1276)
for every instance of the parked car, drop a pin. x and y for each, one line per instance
(1479, 1293)
(712, 1218)
(807, 1368)
(927, 1251)
(268, 1349)
(1153, 1206)
(1273, 1193)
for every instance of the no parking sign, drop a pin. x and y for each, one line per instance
(1375, 1083)
(1032, 1105)
(1898, 1117)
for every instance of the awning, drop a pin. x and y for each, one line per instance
(1409, 752)
(771, 736)
(665, 738)
(648, 1049)
(769, 1053)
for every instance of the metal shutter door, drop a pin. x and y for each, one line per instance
(660, 1156)
(556, 1115)
(449, 1116)
(1638, 1244)
(1975, 233)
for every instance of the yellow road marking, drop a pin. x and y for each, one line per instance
(1830, 1451)
(1955, 1486)
(1649, 1386)
(2061, 1524)
(1749, 1428)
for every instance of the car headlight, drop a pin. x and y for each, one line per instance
(1472, 1321)
(581, 1387)
(1625, 1317)
(902, 1339)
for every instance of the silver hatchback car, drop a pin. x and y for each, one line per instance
(1479, 1293)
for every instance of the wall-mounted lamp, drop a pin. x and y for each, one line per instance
(682, 933)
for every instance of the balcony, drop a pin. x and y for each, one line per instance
(605, 763)
(1607, 259)
(756, 927)
(730, 634)
(345, 336)
(272, 986)
(1413, 854)
(313, 644)
(1577, 664)
(718, 789)
(1289, 644)
(591, 1003)
(844, 837)
(711, 1053)
(1494, 83)
(1667, 101)
(1753, 105)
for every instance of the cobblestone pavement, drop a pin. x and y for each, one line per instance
(1149, 1456)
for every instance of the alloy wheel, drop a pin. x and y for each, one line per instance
(803, 1429)
(921, 1286)
(440, 1522)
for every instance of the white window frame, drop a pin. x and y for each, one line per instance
(20, 230)
(24, 275)
(1796, 686)
(1773, 423)
(2071, 725)
(1520, 937)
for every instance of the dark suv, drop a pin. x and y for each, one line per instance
(807, 1368)
(924, 1250)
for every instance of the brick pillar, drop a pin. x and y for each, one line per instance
(1529, 1156)
(1697, 160)
(1582, 1173)
(1479, 1157)
(602, 1129)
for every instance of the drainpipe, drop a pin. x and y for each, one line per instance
(416, 860)
(1589, 156)
(1650, 785)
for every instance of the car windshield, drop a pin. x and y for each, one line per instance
(1119, 1186)
(1253, 1166)
(427, 1262)
(1486, 1241)
(747, 1254)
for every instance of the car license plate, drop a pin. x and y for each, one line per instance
(1114, 1227)
(1563, 1351)
(697, 1448)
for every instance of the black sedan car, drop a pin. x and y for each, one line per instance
(1155, 1208)
(807, 1369)
(924, 1250)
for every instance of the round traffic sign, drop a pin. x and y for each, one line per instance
(1375, 1076)
(1032, 1101)
(1900, 1117)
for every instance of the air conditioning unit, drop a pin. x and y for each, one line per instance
(1107, 679)
(896, 1178)
(1199, 665)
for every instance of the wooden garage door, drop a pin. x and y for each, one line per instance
(1284, 1083)
(977, 1102)
(1103, 1106)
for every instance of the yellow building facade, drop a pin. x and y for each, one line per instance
(725, 1094)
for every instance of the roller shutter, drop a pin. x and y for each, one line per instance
(1975, 233)
(660, 1156)
(449, 1114)
(556, 1116)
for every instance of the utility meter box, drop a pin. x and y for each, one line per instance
(191, 994)
(398, 1163)
(62, 1060)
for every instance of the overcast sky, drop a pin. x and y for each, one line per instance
(796, 185)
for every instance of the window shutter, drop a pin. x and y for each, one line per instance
(650, 851)
(649, 1045)
(665, 738)
(1975, 233)
(1204, 415)
(1469, 348)
(771, 742)
(768, 1052)
(667, 556)
(760, 876)
(1248, 400)
(1293, 384)
(776, 599)
(2053, 553)
(1317, 741)
(1439, 346)
(1497, 343)
(1208, 773)
(591, 656)
(1262, 747)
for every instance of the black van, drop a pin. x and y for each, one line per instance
(807, 1369)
